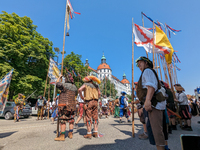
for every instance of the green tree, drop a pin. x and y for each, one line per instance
(56, 49)
(73, 62)
(25, 50)
(105, 87)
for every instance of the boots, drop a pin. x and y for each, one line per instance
(174, 127)
(60, 138)
(95, 134)
(70, 135)
(89, 136)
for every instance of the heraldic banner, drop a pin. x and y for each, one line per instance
(4, 89)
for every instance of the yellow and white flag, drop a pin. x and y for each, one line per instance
(162, 42)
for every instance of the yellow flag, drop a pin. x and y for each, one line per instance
(162, 41)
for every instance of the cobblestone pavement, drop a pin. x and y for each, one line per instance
(30, 134)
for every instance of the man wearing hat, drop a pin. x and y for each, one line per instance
(148, 92)
(123, 104)
(182, 99)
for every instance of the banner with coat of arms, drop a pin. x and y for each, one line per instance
(4, 89)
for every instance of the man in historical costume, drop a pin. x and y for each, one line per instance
(123, 104)
(105, 106)
(40, 105)
(182, 99)
(66, 105)
(116, 107)
(150, 92)
(20, 102)
(91, 96)
(81, 110)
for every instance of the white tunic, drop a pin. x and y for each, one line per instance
(149, 79)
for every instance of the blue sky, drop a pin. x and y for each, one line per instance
(105, 26)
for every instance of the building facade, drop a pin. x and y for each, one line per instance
(104, 70)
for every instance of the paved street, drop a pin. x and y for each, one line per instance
(30, 134)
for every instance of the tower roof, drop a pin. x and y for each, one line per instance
(103, 66)
(125, 81)
(103, 57)
(124, 74)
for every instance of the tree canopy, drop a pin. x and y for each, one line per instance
(107, 88)
(25, 50)
(73, 63)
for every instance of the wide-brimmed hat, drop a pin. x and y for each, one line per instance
(91, 78)
(179, 88)
(142, 58)
(116, 97)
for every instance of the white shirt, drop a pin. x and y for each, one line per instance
(104, 102)
(149, 79)
(79, 98)
(182, 98)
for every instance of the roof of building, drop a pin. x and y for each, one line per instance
(125, 81)
(92, 69)
(115, 78)
(103, 66)
(124, 74)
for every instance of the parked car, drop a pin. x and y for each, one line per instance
(34, 110)
(9, 112)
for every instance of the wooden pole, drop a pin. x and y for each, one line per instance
(153, 47)
(46, 79)
(66, 11)
(105, 85)
(156, 63)
(175, 76)
(48, 98)
(143, 26)
(160, 68)
(110, 88)
(169, 72)
(133, 131)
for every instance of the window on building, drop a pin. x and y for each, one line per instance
(104, 70)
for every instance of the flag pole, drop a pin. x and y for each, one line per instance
(46, 79)
(156, 63)
(48, 97)
(133, 131)
(160, 68)
(169, 72)
(175, 72)
(57, 134)
(143, 26)
(153, 47)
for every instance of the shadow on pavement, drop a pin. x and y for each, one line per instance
(3, 135)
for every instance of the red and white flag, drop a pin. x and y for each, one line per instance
(144, 38)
